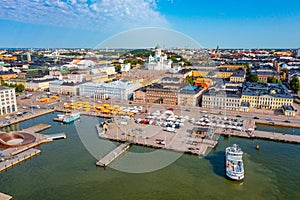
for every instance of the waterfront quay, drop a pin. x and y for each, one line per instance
(20, 144)
(256, 134)
(184, 139)
(157, 137)
(28, 116)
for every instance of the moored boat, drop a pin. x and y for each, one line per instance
(71, 118)
(234, 162)
(59, 118)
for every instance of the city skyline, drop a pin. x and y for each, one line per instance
(87, 23)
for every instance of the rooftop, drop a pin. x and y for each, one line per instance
(191, 90)
(260, 89)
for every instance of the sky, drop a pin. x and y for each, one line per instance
(88, 23)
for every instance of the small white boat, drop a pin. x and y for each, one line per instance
(234, 162)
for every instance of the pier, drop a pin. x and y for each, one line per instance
(111, 156)
(37, 128)
(56, 136)
(8, 162)
(5, 196)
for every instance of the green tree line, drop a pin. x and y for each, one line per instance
(18, 87)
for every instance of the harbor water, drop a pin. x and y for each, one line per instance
(66, 170)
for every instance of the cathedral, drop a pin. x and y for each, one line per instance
(158, 61)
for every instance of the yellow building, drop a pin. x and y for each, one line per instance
(39, 85)
(6, 76)
(224, 73)
(231, 67)
(238, 76)
(267, 96)
(200, 73)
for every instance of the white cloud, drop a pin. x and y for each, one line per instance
(92, 15)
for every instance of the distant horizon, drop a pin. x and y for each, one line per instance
(89, 48)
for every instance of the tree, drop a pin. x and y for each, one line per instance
(20, 88)
(247, 66)
(273, 80)
(253, 78)
(2, 82)
(118, 67)
(295, 84)
(189, 80)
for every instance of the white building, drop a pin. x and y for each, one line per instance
(125, 67)
(121, 89)
(84, 64)
(8, 102)
(159, 61)
(77, 78)
(109, 70)
(55, 86)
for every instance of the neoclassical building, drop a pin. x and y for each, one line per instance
(158, 61)
(8, 102)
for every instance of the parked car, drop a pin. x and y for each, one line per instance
(255, 118)
(287, 121)
(170, 129)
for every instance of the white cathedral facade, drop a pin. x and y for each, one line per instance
(158, 61)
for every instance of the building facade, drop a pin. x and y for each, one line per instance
(266, 96)
(121, 89)
(190, 96)
(238, 76)
(55, 86)
(158, 61)
(8, 102)
(70, 88)
(39, 85)
(139, 96)
(159, 94)
(222, 99)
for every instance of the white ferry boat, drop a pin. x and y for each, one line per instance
(234, 162)
(59, 118)
(71, 118)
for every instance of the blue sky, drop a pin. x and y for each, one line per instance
(86, 23)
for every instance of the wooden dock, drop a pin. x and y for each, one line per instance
(13, 160)
(111, 156)
(5, 196)
(37, 128)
